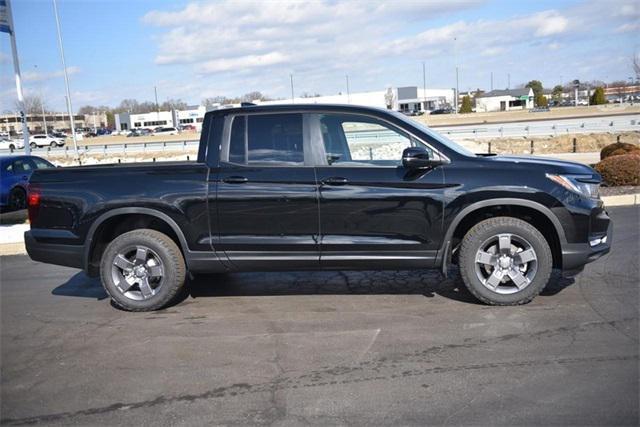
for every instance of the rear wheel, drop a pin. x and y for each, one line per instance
(12, 147)
(142, 270)
(505, 261)
(17, 199)
(53, 144)
(33, 145)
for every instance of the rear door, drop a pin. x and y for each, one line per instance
(373, 212)
(267, 197)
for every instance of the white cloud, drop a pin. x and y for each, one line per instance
(36, 76)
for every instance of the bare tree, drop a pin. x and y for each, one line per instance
(636, 65)
(33, 104)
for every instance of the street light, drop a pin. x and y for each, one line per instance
(44, 118)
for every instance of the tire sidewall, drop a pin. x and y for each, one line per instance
(525, 231)
(174, 271)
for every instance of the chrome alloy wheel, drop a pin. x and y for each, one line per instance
(506, 263)
(137, 272)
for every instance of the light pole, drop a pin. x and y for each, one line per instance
(424, 85)
(457, 91)
(66, 82)
(292, 97)
(44, 118)
(348, 93)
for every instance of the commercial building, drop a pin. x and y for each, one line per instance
(11, 123)
(192, 115)
(409, 98)
(505, 100)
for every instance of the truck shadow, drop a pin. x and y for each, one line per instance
(407, 282)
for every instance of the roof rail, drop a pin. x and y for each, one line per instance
(247, 104)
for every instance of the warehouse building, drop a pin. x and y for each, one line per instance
(405, 99)
(193, 115)
(505, 100)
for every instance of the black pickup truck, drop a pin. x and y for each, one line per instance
(308, 187)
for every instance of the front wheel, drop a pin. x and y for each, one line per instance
(505, 261)
(142, 270)
(17, 199)
(33, 145)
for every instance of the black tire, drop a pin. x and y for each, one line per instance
(17, 199)
(170, 259)
(33, 145)
(484, 232)
(12, 148)
(53, 144)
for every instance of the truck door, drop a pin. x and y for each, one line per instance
(267, 196)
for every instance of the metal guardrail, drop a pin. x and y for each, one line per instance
(365, 136)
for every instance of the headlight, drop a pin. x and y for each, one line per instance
(581, 184)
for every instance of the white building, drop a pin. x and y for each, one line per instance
(409, 98)
(505, 100)
(193, 115)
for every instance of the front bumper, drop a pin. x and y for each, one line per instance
(576, 255)
(53, 253)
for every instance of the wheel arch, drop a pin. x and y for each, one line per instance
(152, 218)
(476, 212)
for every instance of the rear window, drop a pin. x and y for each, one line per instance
(267, 139)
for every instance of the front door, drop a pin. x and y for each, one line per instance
(267, 197)
(373, 212)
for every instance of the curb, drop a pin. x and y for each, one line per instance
(17, 248)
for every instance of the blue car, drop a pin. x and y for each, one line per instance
(14, 179)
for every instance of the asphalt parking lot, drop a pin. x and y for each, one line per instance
(364, 348)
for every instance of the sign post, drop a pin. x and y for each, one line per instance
(6, 26)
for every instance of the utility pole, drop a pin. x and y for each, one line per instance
(292, 97)
(155, 91)
(6, 26)
(492, 80)
(66, 83)
(424, 84)
(44, 118)
(348, 92)
(508, 81)
(457, 91)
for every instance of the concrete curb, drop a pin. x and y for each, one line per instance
(17, 248)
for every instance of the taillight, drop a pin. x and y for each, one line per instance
(33, 205)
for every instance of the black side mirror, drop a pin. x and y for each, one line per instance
(416, 158)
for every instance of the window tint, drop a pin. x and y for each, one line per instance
(269, 139)
(21, 166)
(351, 140)
(237, 147)
(41, 164)
(275, 138)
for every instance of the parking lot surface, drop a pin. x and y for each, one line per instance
(364, 348)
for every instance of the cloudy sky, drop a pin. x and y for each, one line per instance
(195, 49)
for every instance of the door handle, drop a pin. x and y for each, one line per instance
(235, 180)
(335, 180)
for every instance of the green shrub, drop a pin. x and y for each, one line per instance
(618, 148)
(466, 105)
(623, 169)
(598, 97)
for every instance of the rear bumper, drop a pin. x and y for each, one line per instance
(576, 255)
(54, 253)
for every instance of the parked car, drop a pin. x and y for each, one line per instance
(443, 111)
(11, 144)
(189, 128)
(165, 131)
(43, 140)
(58, 134)
(307, 187)
(15, 172)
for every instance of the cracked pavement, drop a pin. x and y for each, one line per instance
(324, 348)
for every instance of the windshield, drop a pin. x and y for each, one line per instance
(440, 138)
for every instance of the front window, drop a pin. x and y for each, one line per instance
(351, 140)
(436, 136)
(41, 164)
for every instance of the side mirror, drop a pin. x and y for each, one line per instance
(417, 158)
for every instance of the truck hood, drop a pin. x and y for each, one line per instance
(550, 165)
